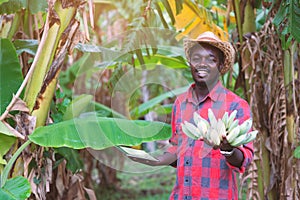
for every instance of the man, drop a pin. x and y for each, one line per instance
(203, 171)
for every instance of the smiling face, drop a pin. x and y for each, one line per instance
(206, 62)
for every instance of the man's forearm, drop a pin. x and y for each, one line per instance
(167, 158)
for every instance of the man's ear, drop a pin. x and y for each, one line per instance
(221, 65)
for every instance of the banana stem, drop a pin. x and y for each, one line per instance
(47, 49)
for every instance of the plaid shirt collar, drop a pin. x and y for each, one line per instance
(217, 93)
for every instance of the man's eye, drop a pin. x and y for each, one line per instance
(212, 59)
(195, 59)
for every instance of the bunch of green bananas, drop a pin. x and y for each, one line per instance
(214, 131)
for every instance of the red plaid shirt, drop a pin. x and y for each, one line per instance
(202, 172)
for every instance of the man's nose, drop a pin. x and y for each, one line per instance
(202, 62)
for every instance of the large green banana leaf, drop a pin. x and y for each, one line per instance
(99, 133)
(10, 73)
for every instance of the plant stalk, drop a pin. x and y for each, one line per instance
(47, 49)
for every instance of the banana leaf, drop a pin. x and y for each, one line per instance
(17, 188)
(28, 46)
(10, 73)
(13, 6)
(99, 133)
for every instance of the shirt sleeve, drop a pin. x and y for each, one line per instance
(243, 114)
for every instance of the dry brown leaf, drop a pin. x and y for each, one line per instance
(61, 179)
(36, 189)
(48, 173)
(25, 123)
(76, 191)
(27, 157)
(90, 193)
(19, 105)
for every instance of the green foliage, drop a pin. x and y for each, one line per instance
(147, 106)
(77, 106)
(28, 46)
(74, 162)
(153, 185)
(165, 60)
(17, 188)
(2, 1)
(14, 6)
(59, 108)
(10, 163)
(99, 133)
(229, 81)
(101, 110)
(117, 73)
(10, 73)
(169, 10)
(5, 144)
(294, 19)
(261, 18)
(297, 152)
(287, 20)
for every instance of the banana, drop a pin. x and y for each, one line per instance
(193, 129)
(231, 117)
(198, 118)
(234, 124)
(251, 136)
(187, 132)
(212, 118)
(239, 140)
(206, 135)
(202, 127)
(233, 134)
(225, 118)
(245, 126)
(215, 137)
(221, 129)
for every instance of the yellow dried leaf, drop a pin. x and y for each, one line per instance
(184, 17)
(193, 21)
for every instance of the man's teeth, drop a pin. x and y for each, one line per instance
(202, 71)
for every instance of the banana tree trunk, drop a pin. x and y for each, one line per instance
(43, 79)
(290, 185)
(56, 41)
(245, 17)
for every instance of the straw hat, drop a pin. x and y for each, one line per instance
(212, 39)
